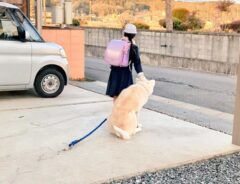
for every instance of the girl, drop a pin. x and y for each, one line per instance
(121, 77)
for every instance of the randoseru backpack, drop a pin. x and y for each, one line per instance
(117, 53)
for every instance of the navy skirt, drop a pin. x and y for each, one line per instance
(119, 79)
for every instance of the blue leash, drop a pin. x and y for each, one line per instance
(73, 143)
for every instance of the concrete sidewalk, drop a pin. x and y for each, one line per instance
(205, 117)
(34, 132)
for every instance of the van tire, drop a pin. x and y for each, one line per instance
(49, 83)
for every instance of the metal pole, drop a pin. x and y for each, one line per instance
(168, 12)
(28, 8)
(38, 13)
(236, 123)
(45, 11)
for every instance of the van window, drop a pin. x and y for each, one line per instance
(27, 26)
(8, 29)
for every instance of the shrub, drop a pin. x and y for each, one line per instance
(177, 24)
(141, 25)
(75, 22)
(181, 14)
(235, 26)
(194, 23)
(208, 25)
(162, 23)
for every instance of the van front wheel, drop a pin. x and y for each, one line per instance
(49, 83)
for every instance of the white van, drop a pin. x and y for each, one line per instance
(26, 60)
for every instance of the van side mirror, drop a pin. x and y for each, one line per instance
(21, 34)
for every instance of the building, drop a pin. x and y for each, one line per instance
(23, 4)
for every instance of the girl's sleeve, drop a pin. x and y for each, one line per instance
(137, 60)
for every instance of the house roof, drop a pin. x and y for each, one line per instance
(7, 5)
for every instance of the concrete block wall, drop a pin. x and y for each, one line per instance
(72, 40)
(208, 52)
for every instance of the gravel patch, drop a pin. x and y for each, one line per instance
(220, 170)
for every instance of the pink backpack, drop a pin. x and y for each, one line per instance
(117, 53)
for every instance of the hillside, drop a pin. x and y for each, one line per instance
(115, 13)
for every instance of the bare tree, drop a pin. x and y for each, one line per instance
(224, 5)
(168, 10)
(224, 8)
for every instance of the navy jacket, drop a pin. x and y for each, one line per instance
(134, 58)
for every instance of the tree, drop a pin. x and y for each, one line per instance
(181, 13)
(168, 10)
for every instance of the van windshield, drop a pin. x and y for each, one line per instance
(28, 27)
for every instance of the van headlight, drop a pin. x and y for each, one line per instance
(63, 53)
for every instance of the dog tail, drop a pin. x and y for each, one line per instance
(121, 133)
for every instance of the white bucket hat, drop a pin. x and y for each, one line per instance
(130, 28)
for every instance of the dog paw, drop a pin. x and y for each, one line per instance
(139, 125)
(126, 137)
(138, 130)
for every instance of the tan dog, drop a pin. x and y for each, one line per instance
(123, 121)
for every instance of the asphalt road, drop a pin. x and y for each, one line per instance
(202, 89)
